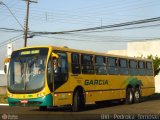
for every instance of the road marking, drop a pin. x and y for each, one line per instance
(4, 104)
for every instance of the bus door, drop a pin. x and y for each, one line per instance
(60, 69)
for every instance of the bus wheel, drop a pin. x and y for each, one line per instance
(129, 96)
(137, 95)
(43, 108)
(78, 101)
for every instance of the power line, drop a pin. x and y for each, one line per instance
(2, 3)
(10, 30)
(127, 28)
(99, 41)
(105, 27)
(10, 39)
(78, 40)
(13, 39)
(99, 28)
(91, 36)
(60, 15)
(43, 10)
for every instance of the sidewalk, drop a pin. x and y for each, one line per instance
(4, 104)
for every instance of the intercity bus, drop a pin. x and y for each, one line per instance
(57, 76)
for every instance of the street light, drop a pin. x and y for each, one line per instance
(2, 3)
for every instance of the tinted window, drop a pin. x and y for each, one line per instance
(112, 66)
(149, 65)
(100, 60)
(87, 64)
(149, 70)
(61, 67)
(123, 64)
(75, 63)
(112, 62)
(141, 66)
(133, 64)
(87, 59)
(100, 65)
(133, 67)
(75, 58)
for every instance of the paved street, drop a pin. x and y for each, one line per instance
(149, 106)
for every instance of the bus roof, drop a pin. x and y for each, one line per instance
(84, 51)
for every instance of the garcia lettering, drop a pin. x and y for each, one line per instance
(96, 82)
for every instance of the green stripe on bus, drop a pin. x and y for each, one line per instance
(44, 101)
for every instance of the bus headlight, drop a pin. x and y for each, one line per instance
(10, 95)
(40, 94)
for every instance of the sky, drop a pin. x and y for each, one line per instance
(63, 15)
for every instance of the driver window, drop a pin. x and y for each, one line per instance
(61, 66)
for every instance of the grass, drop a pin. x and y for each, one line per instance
(3, 99)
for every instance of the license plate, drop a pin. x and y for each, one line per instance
(24, 101)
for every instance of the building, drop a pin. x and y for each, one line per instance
(3, 76)
(142, 49)
(2, 72)
(3, 82)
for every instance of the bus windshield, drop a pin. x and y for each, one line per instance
(27, 70)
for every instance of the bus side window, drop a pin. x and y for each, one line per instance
(141, 66)
(149, 69)
(123, 64)
(100, 65)
(133, 67)
(75, 63)
(87, 64)
(112, 66)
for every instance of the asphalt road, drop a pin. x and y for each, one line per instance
(149, 108)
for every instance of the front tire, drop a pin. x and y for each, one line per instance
(129, 96)
(78, 101)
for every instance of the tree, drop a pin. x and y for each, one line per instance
(156, 63)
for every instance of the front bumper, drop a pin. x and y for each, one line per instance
(41, 101)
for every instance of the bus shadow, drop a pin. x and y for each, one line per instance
(155, 96)
(88, 107)
(101, 105)
(105, 104)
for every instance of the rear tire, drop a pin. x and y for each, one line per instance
(129, 96)
(78, 101)
(137, 95)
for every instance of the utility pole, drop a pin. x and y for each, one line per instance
(26, 21)
(26, 25)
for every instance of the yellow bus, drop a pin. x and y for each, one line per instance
(48, 76)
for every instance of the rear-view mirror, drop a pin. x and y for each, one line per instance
(55, 56)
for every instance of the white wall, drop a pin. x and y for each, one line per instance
(118, 52)
(138, 49)
(2, 72)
